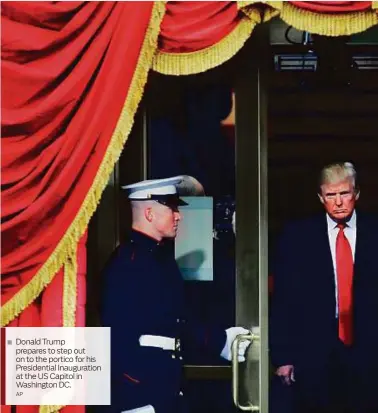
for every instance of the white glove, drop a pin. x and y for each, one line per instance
(232, 332)
(144, 409)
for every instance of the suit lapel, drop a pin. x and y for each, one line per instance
(362, 244)
(326, 252)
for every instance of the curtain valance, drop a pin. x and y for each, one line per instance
(197, 36)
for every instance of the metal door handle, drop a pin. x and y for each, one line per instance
(235, 371)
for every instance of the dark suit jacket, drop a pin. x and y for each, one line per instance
(303, 326)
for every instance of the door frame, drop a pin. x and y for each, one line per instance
(251, 223)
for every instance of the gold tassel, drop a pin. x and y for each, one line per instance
(265, 9)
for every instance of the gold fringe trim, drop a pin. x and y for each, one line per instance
(68, 244)
(70, 292)
(326, 24)
(202, 60)
(69, 309)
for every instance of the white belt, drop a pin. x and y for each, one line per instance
(166, 343)
(145, 409)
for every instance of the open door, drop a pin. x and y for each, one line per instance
(188, 133)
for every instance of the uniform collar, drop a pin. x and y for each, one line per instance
(145, 240)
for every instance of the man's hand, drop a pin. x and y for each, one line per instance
(231, 335)
(286, 373)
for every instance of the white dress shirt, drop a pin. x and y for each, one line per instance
(350, 232)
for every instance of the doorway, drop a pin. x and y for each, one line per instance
(286, 127)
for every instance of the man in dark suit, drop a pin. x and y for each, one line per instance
(143, 304)
(324, 317)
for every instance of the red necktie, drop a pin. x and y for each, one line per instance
(344, 269)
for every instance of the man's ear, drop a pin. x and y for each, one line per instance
(357, 195)
(148, 214)
(321, 199)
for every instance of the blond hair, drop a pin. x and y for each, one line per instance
(337, 172)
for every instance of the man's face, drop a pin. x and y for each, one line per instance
(339, 199)
(166, 220)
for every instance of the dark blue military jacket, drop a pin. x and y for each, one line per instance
(143, 295)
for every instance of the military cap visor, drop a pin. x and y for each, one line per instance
(169, 200)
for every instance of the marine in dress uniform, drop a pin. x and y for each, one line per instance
(144, 306)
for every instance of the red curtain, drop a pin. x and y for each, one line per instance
(53, 301)
(194, 25)
(48, 311)
(72, 77)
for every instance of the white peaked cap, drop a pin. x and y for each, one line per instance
(178, 185)
(146, 189)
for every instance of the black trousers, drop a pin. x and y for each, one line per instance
(340, 384)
